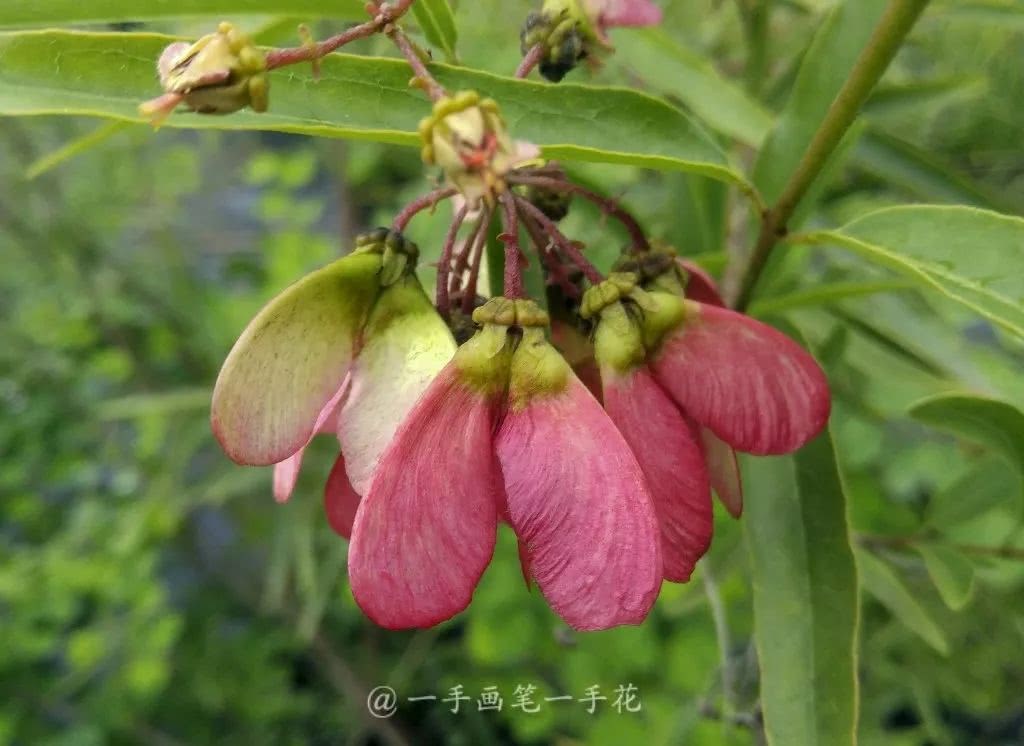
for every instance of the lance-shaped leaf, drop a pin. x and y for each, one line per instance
(359, 97)
(975, 257)
(806, 608)
(49, 12)
(290, 361)
(436, 19)
(882, 582)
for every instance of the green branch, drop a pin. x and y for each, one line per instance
(886, 40)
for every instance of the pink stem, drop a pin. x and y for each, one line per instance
(444, 265)
(418, 205)
(513, 256)
(557, 273)
(475, 260)
(530, 61)
(434, 89)
(292, 55)
(608, 206)
(571, 250)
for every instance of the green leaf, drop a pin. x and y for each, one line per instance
(826, 294)
(48, 12)
(975, 257)
(990, 486)
(951, 571)
(436, 19)
(823, 71)
(678, 72)
(881, 581)
(357, 97)
(920, 173)
(991, 422)
(69, 150)
(805, 596)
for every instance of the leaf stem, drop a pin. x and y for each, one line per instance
(476, 256)
(513, 286)
(423, 76)
(892, 29)
(608, 206)
(426, 202)
(383, 16)
(529, 61)
(571, 250)
(444, 264)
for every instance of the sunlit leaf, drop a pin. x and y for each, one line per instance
(805, 595)
(437, 21)
(358, 97)
(991, 422)
(882, 582)
(975, 257)
(678, 72)
(951, 571)
(824, 68)
(49, 12)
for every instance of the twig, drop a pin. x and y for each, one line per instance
(718, 616)
(427, 201)
(885, 41)
(475, 260)
(513, 286)
(571, 250)
(433, 89)
(530, 61)
(444, 264)
(608, 206)
(384, 15)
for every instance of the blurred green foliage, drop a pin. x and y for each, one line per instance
(152, 592)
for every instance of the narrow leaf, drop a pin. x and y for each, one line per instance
(921, 173)
(805, 596)
(823, 71)
(49, 12)
(358, 97)
(75, 147)
(991, 422)
(975, 257)
(825, 295)
(679, 72)
(881, 581)
(437, 21)
(951, 571)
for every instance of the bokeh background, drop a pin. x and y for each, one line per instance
(153, 592)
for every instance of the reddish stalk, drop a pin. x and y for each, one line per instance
(607, 206)
(513, 255)
(418, 205)
(462, 259)
(530, 61)
(568, 247)
(549, 257)
(475, 260)
(444, 264)
(433, 89)
(383, 15)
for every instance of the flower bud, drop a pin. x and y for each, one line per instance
(219, 74)
(466, 136)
